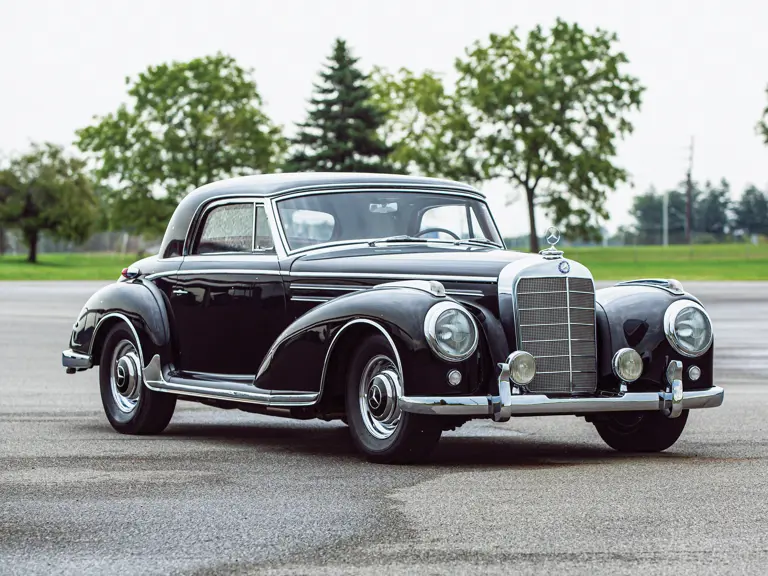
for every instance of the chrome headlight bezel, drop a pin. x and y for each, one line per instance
(670, 319)
(430, 330)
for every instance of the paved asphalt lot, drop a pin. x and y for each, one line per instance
(226, 491)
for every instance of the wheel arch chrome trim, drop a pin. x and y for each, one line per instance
(127, 321)
(335, 340)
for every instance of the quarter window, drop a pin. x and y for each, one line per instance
(227, 228)
(264, 240)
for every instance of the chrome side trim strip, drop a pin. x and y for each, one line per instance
(338, 288)
(311, 298)
(241, 271)
(487, 279)
(539, 404)
(218, 390)
(233, 271)
(476, 293)
(297, 286)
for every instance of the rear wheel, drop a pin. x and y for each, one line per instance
(640, 431)
(130, 406)
(379, 429)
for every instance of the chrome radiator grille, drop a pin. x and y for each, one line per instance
(556, 323)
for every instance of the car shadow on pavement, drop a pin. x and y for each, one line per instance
(334, 440)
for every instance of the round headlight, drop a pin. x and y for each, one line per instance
(522, 367)
(688, 328)
(627, 365)
(450, 331)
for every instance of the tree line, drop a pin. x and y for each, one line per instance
(544, 112)
(715, 215)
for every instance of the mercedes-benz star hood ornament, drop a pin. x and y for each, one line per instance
(552, 238)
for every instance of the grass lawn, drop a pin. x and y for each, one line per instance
(65, 267)
(701, 262)
(698, 262)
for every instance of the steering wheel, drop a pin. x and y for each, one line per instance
(428, 230)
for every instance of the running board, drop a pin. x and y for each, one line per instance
(154, 379)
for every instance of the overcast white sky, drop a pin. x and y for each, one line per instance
(703, 63)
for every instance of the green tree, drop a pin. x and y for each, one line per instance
(427, 130)
(711, 212)
(341, 133)
(762, 126)
(187, 124)
(47, 191)
(648, 212)
(547, 115)
(752, 212)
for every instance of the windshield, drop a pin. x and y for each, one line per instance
(348, 216)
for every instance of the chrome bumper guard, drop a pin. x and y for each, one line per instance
(502, 407)
(73, 361)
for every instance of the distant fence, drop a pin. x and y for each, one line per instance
(119, 242)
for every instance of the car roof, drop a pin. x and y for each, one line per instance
(273, 185)
(267, 185)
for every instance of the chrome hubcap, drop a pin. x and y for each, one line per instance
(125, 376)
(379, 391)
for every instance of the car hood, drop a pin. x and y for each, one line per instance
(392, 262)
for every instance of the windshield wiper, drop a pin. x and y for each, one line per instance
(400, 238)
(481, 241)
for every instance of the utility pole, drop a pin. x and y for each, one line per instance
(689, 196)
(665, 219)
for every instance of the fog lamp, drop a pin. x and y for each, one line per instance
(522, 367)
(454, 377)
(694, 373)
(627, 365)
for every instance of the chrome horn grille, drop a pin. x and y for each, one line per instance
(556, 324)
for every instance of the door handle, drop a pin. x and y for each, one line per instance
(180, 292)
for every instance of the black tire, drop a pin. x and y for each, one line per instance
(414, 435)
(145, 411)
(641, 431)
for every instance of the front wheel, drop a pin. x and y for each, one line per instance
(130, 406)
(640, 431)
(379, 429)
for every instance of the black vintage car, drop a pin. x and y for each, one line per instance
(388, 302)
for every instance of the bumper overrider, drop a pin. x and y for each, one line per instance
(512, 401)
(74, 361)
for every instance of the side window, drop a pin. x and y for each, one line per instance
(227, 228)
(264, 241)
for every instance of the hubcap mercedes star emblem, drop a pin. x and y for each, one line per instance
(553, 236)
(374, 397)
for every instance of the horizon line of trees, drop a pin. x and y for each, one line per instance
(544, 112)
(715, 215)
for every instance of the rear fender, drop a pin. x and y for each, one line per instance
(140, 304)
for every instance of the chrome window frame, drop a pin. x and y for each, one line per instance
(204, 209)
(341, 190)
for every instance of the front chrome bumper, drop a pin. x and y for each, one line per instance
(502, 407)
(73, 361)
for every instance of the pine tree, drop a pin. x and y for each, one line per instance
(341, 131)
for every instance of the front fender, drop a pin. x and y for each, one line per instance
(140, 303)
(633, 317)
(298, 360)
